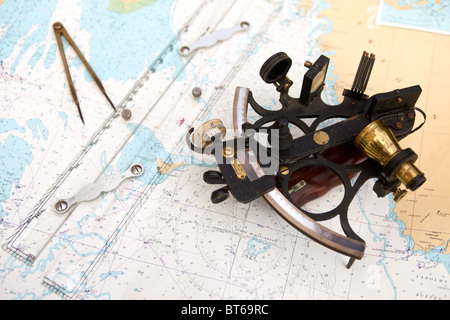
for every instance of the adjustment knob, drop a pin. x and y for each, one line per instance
(204, 135)
(213, 177)
(220, 195)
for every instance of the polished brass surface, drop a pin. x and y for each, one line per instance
(203, 136)
(321, 137)
(399, 194)
(379, 143)
(407, 172)
(238, 169)
(284, 170)
(228, 152)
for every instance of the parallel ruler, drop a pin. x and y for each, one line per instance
(28, 241)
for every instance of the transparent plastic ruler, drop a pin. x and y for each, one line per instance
(71, 275)
(44, 220)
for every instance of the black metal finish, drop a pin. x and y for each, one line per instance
(396, 109)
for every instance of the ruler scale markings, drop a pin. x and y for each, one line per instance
(39, 208)
(148, 189)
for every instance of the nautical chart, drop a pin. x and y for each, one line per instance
(157, 235)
